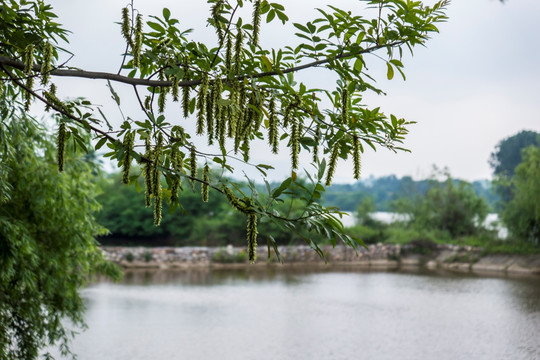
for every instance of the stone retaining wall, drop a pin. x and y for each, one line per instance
(380, 256)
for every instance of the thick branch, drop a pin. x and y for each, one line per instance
(4, 60)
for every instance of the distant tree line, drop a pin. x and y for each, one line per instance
(386, 190)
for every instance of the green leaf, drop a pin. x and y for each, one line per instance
(114, 96)
(301, 27)
(390, 73)
(284, 185)
(166, 13)
(271, 15)
(156, 26)
(266, 62)
(100, 143)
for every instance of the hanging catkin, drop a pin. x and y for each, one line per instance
(232, 111)
(192, 163)
(137, 43)
(238, 51)
(273, 126)
(256, 22)
(317, 139)
(156, 180)
(332, 163)
(356, 157)
(205, 187)
(295, 143)
(46, 66)
(50, 94)
(210, 116)
(147, 173)
(61, 146)
(345, 105)
(185, 93)
(252, 237)
(217, 89)
(126, 26)
(216, 13)
(128, 149)
(176, 164)
(28, 64)
(156, 174)
(201, 104)
(175, 88)
(228, 54)
(233, 200)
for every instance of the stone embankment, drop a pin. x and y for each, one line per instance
(375, 257)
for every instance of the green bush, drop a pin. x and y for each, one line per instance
(147, 256)
(130, 257)
(367, 234)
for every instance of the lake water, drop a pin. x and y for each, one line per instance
(311, 314)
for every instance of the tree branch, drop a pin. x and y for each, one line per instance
(4, 60)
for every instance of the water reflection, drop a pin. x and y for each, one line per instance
(311, 313)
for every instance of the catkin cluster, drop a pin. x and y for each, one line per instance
(132, 35)
(244, 208)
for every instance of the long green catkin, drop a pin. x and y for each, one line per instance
(205, 187)
(273, 126)
(137, 43)
(332, 163)
(356, 157)
(201, 104)
(252, 237)
(126, 26)
(61, 146)
(46, 66)
(295, 143)
(238, 51)
(192, 164)
(176, 178)
(216, 12)
(147, 173)
(256, 22)
(28, 64)
(128, 149)
(185, 94)
(317, 139)
(156, 180)
(345, 105)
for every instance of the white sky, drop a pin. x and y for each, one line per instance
(475, 83)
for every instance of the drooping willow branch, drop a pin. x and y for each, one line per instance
(4, 60)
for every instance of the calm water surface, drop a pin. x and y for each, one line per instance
(303, 314)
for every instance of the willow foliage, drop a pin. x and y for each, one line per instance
(48, 249)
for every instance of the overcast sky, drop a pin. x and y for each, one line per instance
(475, 83)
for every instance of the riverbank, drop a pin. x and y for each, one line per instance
(375, 257)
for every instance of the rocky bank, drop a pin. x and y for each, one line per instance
(375, 257)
